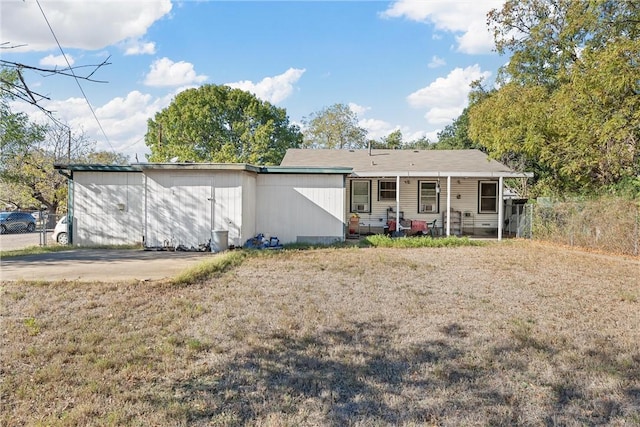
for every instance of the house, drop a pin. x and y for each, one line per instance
(461, 190)
(182, 204)
(312, 197)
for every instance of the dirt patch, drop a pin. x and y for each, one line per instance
(507, 334)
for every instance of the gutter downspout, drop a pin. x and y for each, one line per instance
(70, 215)
(145, 229)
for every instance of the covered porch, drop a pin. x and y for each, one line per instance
(428, 203)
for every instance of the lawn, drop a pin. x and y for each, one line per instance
(517, 333)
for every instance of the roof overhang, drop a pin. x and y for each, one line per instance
(96, 168)
(199, 166)
(242, 167)
(307, 170)
(437, 174)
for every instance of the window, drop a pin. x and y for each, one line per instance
(360, 196)
(488, 198)
(386, 190)
(428, 200)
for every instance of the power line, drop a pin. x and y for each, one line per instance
(75, 77)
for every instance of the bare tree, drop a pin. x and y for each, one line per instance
(14, 85)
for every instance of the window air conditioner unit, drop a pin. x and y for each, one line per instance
(361, 207)
(427, 208)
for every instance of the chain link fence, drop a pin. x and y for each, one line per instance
(518, 220)
(26, 228)
(610, 224)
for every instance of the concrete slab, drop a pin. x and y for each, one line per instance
(104, 265)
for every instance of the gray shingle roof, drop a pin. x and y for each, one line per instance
(402, 162)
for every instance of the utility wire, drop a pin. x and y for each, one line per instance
(75, 77)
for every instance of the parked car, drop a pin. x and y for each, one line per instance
(13, 222)
(60, 232)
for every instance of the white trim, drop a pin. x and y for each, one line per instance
(434, 174)
(350, 194)
(398, 203)
(448, 206)
(436, 206)
(500, 207)
(386, 180)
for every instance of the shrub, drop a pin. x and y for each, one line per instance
(383, 241)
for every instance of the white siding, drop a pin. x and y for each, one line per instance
(249, 192)
(228, 196)
(467, 203)
(301, 207)
(107, 208)
(183, 207)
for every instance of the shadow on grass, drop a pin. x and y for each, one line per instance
(342, 376)
(358, 375)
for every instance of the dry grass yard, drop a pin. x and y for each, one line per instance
(518, 333)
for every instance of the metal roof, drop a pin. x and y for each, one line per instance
(370, 163)
(307, 170)
(96, 168)
(200, 166)
(139, 167)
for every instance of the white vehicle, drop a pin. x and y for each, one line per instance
(60, 233)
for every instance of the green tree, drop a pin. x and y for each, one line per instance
(16, 131)
(106, 158)
(334, 127)
(570, 95)
(28, 152)
(28, 177)
(220, 124)
(456, 135)
(422, 143)
(393, 141)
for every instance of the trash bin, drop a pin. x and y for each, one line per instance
(219, 240)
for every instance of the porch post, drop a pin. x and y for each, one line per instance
(397, 203)
(448, 205)
(500, 207)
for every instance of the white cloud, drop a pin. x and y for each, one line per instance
(476, 39)
(446, 97)
(443, 116)
(458, 17)
(436, 62)
(165, 72)
(57, 61)
(376, 128)
(124, 120)
(358, 109)
(272, 89)
(78, 24)
(137, 47)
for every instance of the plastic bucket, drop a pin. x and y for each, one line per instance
(219, 240)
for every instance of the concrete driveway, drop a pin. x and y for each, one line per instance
(104, 265)
(14, 241)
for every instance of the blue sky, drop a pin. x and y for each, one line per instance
(403, 64)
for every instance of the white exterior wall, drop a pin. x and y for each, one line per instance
(472, 220)
(408, 203)
(108, 208)
(467, 188)
(249, 194)
(301, 207)
(183, 207)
